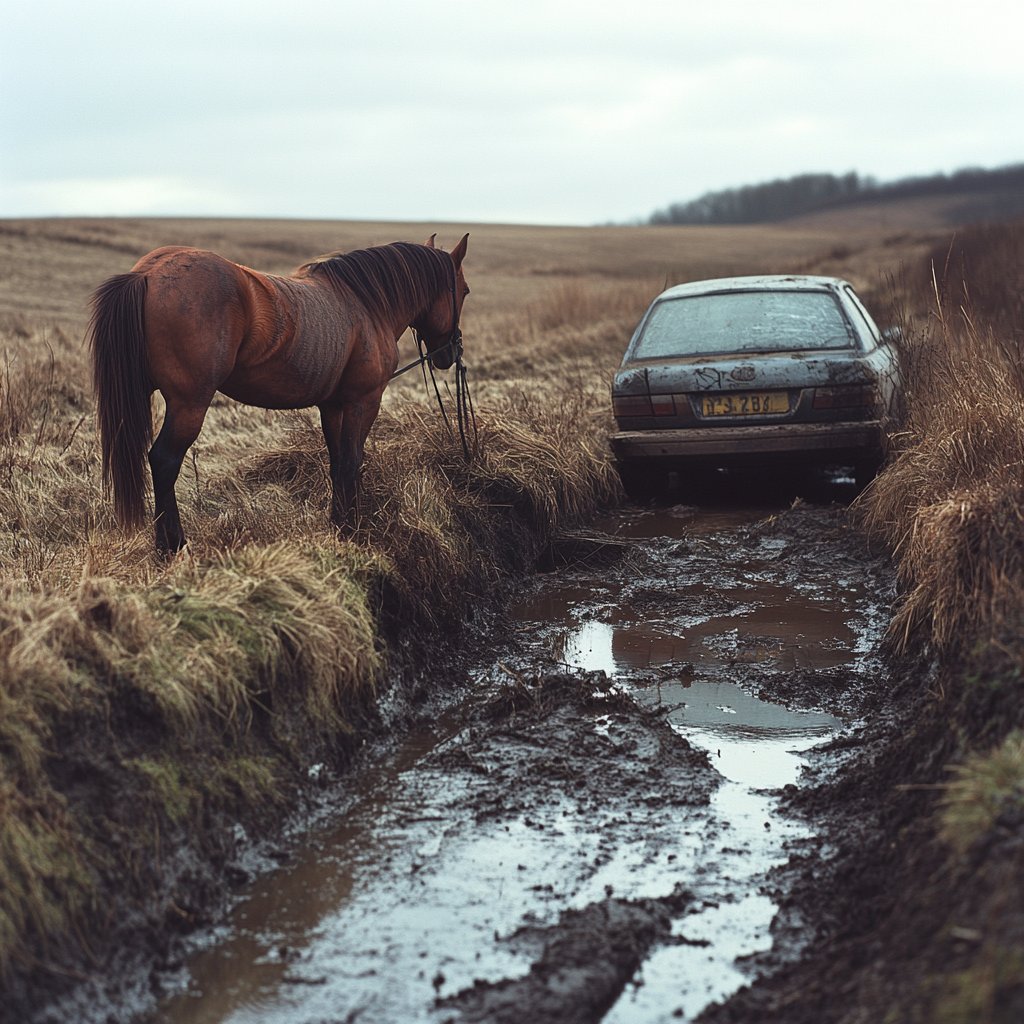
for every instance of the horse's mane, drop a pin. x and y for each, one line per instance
(380, 274)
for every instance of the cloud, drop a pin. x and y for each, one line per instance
(545, 110)
(152, 195)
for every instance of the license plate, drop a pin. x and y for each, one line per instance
(751, 403)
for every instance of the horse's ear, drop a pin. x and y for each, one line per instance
(429, 243)
(459, 252)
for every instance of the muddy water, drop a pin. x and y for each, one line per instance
(696, 660)
(420, 893)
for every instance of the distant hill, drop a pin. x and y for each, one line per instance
(997, 194)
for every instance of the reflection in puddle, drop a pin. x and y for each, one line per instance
(783, 629)
(756, 745)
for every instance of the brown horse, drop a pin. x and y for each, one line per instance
(190, 323)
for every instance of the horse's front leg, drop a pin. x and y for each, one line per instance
(346, 427)
(181, 426)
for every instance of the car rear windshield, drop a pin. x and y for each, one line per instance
(757, 321)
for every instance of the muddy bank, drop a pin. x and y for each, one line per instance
(163, 875)
(159, 824)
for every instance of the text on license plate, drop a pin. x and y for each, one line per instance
(754, 403)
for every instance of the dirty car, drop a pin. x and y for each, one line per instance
(753, 370)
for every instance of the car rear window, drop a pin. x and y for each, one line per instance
(757, 321)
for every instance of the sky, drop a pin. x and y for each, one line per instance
(524, 111)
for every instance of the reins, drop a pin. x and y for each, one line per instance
(465, 415)
(422, 359)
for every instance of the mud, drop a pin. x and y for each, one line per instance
(584, 962)
(595, 830)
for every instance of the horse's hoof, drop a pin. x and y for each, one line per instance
(167, 550)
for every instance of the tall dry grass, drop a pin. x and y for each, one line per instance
(979, 270)
(950, 500)
(950, 506)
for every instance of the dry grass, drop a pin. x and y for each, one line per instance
(950, 505)
(262, 649)
(949, 502)
(978, 270)
(220, 675)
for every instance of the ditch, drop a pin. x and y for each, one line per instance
(598, 828)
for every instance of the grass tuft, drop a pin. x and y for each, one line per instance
(986, 787)
(275, 640)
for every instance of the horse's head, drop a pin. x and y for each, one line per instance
(439, 325)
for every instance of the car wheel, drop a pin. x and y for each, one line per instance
(864, 472)
(641, 482)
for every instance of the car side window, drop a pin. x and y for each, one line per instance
(865, 316)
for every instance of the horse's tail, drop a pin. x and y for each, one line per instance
(120, 373)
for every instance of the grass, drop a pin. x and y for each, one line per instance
(251, 658)
(203, 689)
(949, 502)
(949, 506)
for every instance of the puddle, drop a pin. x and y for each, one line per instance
(439, 862)
(680, 521)
(417, 895)
(755, 744)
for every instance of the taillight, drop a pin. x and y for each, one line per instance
(844, 398)
(663, 405)
(631, 405)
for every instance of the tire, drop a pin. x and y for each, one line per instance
(641, 482)
(864, 472)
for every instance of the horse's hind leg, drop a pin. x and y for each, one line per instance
(181, 427)
(344, 474)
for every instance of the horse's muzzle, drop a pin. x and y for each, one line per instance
(449, 353)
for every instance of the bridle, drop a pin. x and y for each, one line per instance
(454, 341)
(463, 400)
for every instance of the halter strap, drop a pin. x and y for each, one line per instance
(456, 341)
(465, 414)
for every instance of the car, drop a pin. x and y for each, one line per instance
(753, 371)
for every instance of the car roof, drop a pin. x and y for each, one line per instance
(761, 283)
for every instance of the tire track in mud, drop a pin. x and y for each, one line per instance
(589, 835)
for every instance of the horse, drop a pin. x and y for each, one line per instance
(189, 323)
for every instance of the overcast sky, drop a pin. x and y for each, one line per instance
(518, 111)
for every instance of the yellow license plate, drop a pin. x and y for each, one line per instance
(752, 403)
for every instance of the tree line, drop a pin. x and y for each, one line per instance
(804, 193)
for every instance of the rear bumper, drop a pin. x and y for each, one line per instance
(818, 439)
